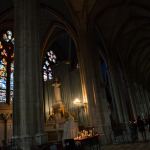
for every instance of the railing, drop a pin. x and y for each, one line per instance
(49, 146)
(119, 133)
(10, 146)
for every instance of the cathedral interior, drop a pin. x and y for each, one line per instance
(87, 59)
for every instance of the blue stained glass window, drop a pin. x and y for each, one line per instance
(3, 77)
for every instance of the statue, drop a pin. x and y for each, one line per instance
(58, 103)
(70, 129)
(56, 86)
(58, 106)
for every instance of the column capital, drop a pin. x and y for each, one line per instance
(6, 115)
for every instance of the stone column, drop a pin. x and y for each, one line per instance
(100, 93)
(87, 79)
(91, 79)
(140, 100)
(87, 113)
(114, 112)
(146, 99)
(131, 98)
(119, 100)
(101, 100)
(28, 122)
(143, 100)
(136, 100)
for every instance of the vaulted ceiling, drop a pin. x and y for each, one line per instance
(123, 27)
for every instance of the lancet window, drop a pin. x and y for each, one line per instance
(6, 66)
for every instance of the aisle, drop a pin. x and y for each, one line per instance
(139, 145)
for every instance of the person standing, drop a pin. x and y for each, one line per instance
(141, 126)
(149, 122)
(146, 120)
(133, 130)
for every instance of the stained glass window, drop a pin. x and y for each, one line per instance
(8, 37)
(6, 65)
(49, 59)
(3, 77)
(11, 80)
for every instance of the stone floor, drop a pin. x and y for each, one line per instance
(128, 146)
(139, 145)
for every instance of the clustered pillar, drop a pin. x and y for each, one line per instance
(91, 78)
(28, 123)
(86, 79)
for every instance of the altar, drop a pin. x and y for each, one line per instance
(55, 134)
(56, 121)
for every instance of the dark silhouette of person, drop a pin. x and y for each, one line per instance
(133, 130)
(149, 122)
(140, 124)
